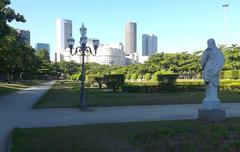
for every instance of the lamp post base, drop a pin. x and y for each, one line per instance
(212, 115)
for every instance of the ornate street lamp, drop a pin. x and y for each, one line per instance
(83, 50)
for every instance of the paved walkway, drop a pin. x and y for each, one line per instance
(15, 111)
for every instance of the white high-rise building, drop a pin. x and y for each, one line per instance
(149, 44)
(63, 32)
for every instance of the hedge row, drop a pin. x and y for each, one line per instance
(231, 74)
(180, 87)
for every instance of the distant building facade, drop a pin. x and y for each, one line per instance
(110, 54)
(63, 32)
(131, 37)
(143, 59)
(25, 34)
(39, 46)
(149, 44)
(131, 58)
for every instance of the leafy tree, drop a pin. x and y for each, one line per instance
(7, 14)
(43, 54)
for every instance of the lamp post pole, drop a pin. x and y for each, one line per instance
(83, 50)
(225, 24)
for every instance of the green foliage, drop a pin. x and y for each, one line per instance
(114, 81)
(134, 76)
(140, 76)
(167, 80)
(155, 76)
(231, 74)
(133, 88)
(43, 54)
(232, 57)
(76, 77)
(147, 76)
(7, 14)
(128, 76)
(95, 79)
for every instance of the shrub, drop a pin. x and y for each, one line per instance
(91, 79)
(74, 77)
(132, 88)
(128, 76)
(140, 76)
(147, 76)
(78, 76)
(134, 76)
(167, 81)
(95, 79)
(155, 75)
(113, 81)
(99, 81)
(231, 74)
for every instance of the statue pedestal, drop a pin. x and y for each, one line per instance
(212, 115)
(211, 106)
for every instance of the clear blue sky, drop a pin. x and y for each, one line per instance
(180, 25)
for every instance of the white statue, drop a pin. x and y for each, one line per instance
(212, 64)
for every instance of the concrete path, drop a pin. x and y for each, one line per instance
(15, 111)
(13, 108)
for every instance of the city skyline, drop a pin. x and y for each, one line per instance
(179, 26)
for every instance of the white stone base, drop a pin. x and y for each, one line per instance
(211, 115)
(213, 103)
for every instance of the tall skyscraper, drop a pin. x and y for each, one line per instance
(25, 34)
(39, 46)
(131, 37)
(64, 31)
(149, 44)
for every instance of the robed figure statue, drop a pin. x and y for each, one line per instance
(212, 63)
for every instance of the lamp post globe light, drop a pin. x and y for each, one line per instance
(83, 50)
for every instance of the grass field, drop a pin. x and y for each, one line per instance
(67, 95)
(6, 88)
(164, 136)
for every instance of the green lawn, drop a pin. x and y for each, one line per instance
(6, 88)
(164, 136)
(66, 95)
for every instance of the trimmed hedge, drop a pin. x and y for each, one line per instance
(134, 76)
(167, 81)
(140, 76)
(95, 79)
(133, 88)
(128, 76)
(155, 75)
(181, 87)
(130, 88)
(114, 81)
(147, 76)
(231, 74)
